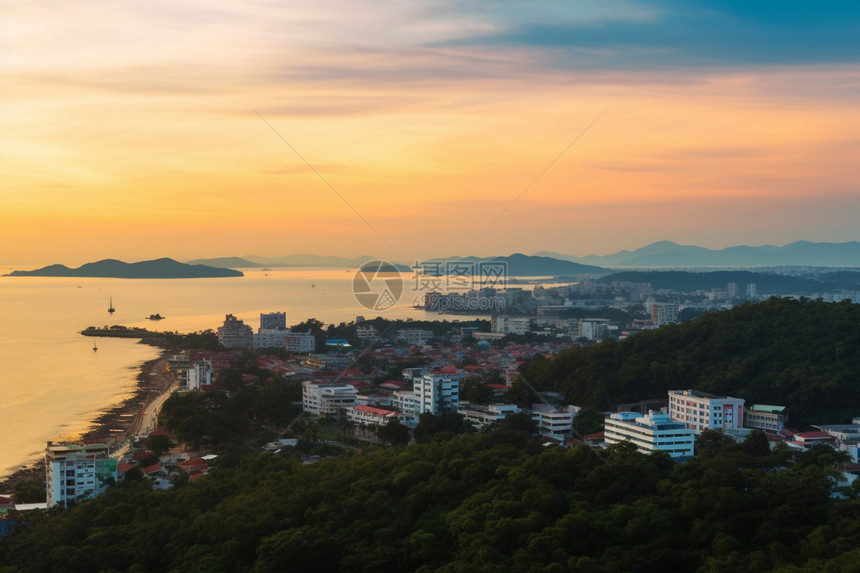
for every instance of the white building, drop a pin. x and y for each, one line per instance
(702, 411)
(766, 418)
(77, 471)
(481, 415)
(437, 393)
(326, 399)
(200, 374)
(406, 402)
(664, 313)
(413, 336)
(510, 324)
(269, 338)
(234, 333)
(299, 342)
(595, 329)
(370, 416)
(367, 333)
(555, 422)
(650, 433)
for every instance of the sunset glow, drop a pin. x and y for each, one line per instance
(132, 131)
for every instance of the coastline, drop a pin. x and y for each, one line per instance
(114, 425)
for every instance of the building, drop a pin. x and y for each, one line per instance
(413, 336)
(664, 313)
(367, 333)
(273, 328)
(480, 415)
(595, 329)
(200, 374)
(554, 421)
(234, 333)
(437, 393)
(300, 342)
(76, 472)
(766, 418)
(702, 411)
(649, 433)
(371, 416)
(273, 321)
(510, 324)
(327, 399)
(178, 365)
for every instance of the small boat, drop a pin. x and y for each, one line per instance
(95, 347)
(155, 317)
(111, 309)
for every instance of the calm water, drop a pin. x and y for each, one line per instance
(52, 384)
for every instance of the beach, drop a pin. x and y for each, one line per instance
(117, 423)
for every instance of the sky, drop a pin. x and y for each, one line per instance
(414, 129)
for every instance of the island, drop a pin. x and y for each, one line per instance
(163, 268)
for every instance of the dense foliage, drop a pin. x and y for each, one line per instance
(803, 354)
(487, 502)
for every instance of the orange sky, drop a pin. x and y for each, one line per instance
(131, 130)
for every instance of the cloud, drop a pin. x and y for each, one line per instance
(693, 33)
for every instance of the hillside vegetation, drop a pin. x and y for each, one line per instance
(489, 502)
(803, 354)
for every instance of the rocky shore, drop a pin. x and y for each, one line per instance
(115, 424)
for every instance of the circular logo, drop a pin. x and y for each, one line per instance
(377, 285)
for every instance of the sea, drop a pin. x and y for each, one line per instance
(53, 384)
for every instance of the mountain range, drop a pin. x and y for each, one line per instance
(669, 254)
(163, 268)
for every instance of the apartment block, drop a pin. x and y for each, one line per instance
(702, 411)
(77, 471)
(651, 432)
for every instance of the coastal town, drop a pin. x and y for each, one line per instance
(382, 382)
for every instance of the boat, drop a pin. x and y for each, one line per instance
(111, 309)
(95, 347)
(155, 317)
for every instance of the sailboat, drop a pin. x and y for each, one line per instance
(95, 347)
(111, 309)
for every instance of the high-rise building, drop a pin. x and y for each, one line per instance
(234, 333)
(77, 471)
(273, 321)
(437, 393)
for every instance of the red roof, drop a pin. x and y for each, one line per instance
(497, 386)
(595, 436)
(140, 454)
(124, 467)
(814, 436)
(372, 410)
(449, 369)
(351, 373)
(194, 465)
(6, 501)
(152, 469)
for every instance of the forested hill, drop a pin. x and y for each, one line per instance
(489, 502)
(803, 354)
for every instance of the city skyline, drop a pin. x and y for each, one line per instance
(417, 129)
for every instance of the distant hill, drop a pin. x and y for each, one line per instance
(766, 283)
(111, 268)
(226, 263)
(669, 254)
(519, 265)
(305, 260)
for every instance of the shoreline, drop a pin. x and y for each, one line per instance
(115, 424)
